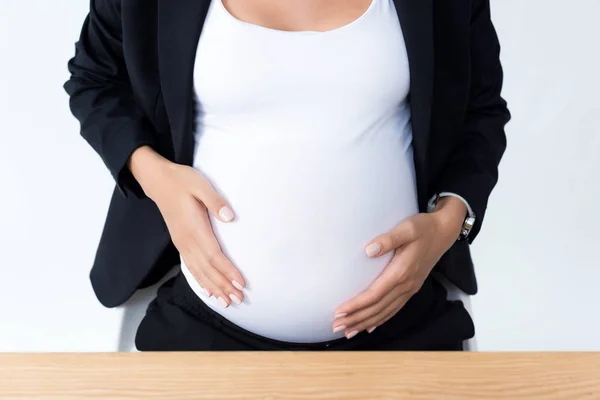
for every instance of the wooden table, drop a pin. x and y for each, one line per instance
(290, 376)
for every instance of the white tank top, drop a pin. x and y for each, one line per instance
(307, 135)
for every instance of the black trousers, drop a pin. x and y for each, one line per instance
(177, 320)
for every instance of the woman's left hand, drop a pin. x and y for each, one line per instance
(418, 242)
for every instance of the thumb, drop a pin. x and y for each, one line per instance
(387, 242)
(212, 200)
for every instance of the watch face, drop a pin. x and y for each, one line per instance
(466, 229)
(469, 222)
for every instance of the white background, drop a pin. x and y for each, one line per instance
(537, 256)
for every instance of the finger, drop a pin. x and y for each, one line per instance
(205, 284)
(212, 280)
(204, 191)
(213, 253)
(379, 319)
(194, 261)
(217, 268)
(383, 244)
(224, 286)
(378, 289)
(223, 291)
(351, 321)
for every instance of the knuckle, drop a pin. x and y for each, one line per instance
(356, 326)
(212, 256)
(211, 198)
(394, 239)
(363, 321)
(222, 283)
(228, 289)
(224, 266)
(411, 228)
(230, 275)
(367, 323)
(224, 289)
(371, 296)
(398, 277)
(411, 287)
(212, 203)
(214, 287)
(353, 324)
(217, 201)
(414, 288)
(387, 242)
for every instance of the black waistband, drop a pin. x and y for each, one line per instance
(185, 297)
(424, 305)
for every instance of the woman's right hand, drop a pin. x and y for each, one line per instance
(185, 197)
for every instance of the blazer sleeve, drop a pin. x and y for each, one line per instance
(101, 97)
(472, 167)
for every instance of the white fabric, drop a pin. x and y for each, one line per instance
(307, 135)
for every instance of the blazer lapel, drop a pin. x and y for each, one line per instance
(179, 25)
(416, 18)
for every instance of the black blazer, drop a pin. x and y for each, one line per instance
(131, 84)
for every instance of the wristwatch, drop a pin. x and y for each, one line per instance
(469, 219)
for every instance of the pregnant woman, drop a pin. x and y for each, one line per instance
(315, 167)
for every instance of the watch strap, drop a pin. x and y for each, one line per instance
(470, 218)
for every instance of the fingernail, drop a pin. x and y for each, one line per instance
(341, 315)
(223, 302)
(352, 334)
(207, 292)
(235, 299)
(373, 249)
(339, 328)
(237, 285)
(226, 214)
(372, 329)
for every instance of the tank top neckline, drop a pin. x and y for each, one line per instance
(301, 32)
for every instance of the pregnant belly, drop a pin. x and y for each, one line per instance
(304, 213)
